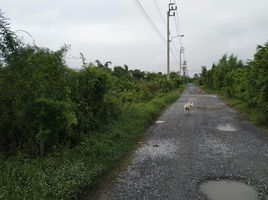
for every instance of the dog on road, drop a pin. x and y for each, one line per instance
(187, 107)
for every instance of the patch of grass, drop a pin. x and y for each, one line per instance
(252, 114)
(66, 174)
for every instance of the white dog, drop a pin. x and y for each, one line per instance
(187, 107)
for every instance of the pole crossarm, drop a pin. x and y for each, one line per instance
(175, 37)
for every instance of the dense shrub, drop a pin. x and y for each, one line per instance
(44, 104)
(68, 173)
(80, 122)
(248, 83)
(34, 100)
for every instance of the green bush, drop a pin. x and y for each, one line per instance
(248, 83)
(35, 78)
(80, 122)
(68, 172)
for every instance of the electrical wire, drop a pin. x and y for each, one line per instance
(178, 24)
(174, 54)
(159, 12)
(148, 19)
(179, 30)
(173, 45)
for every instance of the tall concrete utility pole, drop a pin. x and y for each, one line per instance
(171, 12)
(181, 51)
(184, 68)
(185, 71)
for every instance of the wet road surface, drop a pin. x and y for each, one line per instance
(181, 152)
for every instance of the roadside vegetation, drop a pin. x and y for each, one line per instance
(243, 85)
(62, 129)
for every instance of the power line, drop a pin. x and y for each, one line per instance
(178, 33)
(177, 17)
(177, 21)
(174, 54)
(148, 19)
(179, 25)
(164, 22)
(176, 24)
(178, 28)
(159, 12)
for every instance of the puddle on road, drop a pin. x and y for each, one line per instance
(228, 190)
(226, 127)
(160, 122)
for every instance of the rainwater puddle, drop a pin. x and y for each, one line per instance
(228, 190)
(226, 127)
(160, 122)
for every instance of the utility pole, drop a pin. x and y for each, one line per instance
(171, 12)
(181, 51)
(184, 68)
(185, 71)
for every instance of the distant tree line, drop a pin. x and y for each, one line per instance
(45, 104)
(244, 81)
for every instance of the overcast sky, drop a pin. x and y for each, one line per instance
(116, 31)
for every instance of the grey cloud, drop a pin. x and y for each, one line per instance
(115, 30)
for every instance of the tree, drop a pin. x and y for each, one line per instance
(34, 101)
(106, 65)
(9, 43)
(137, 74)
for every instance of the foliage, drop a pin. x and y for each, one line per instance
(9, 44)
(246, 82)
(66, 174)
(61, 129)
(34, 99)
(44, 104)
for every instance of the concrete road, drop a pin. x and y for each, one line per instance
(182, 151)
